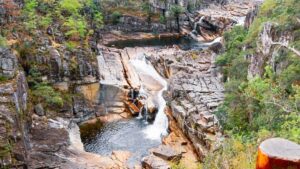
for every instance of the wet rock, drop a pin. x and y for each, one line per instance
(167, 153)
(82, 108)
(153, 162)
(39, 110)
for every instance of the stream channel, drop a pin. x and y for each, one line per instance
(137, 135)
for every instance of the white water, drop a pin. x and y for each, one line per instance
(217, 40)
(159, 127)
(240, 21)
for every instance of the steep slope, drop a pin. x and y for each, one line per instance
(261, 70)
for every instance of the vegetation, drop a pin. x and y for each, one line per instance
(116, 15)
(146, 6)
(76, 17)
(176, 10)
(45, 93)
(3, 41)
(264, 106)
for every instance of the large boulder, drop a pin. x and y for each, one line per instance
(153, 162)
(167, 153)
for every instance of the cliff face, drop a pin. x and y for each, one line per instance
(194, 93)
(267, 50)
(14, 114)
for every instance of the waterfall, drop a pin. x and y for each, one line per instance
(240, 21)
(160, 125)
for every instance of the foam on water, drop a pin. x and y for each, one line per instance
(159, 127)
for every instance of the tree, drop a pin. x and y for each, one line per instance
(147, 8)
(176, 10)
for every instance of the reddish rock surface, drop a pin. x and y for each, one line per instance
(278, 153)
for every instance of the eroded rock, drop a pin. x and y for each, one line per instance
(167, 153)
(153, 162)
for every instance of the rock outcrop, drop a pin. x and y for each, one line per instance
(153, 162)
(14, 112)
(8, 64)
(208, 23)
(56, 143)
(195, 92)
(167, 153)
(266, 51)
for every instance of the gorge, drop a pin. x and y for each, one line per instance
(182, 84)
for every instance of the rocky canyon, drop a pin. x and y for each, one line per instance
(155, 84)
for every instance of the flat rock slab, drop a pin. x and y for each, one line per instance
(167, 153)
(153, 162)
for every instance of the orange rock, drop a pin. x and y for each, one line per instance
(278, 153)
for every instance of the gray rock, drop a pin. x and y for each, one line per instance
(153, 162)
(8, 63)
(167, 153)
(39, 110)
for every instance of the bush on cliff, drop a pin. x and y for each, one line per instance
(3, 42)
(46, 94)
(75, 17)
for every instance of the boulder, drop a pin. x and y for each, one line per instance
(39, 110)
(167, 153)
(153, 162)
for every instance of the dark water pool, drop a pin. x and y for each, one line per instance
(126, 135)
(183, 42)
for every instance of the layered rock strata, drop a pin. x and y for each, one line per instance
(195, 92)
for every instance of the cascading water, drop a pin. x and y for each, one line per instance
(134, 135)
(159, 128)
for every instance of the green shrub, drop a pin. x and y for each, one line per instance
(71, 45)
(3, 41)
(162, 19)
(98, 19)
(45, 93)
(45, 21)
(29, 12)
(3, 79)
(115, 16)
(177, 166)
(77, 27)
(235, 153)
(70, 6)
